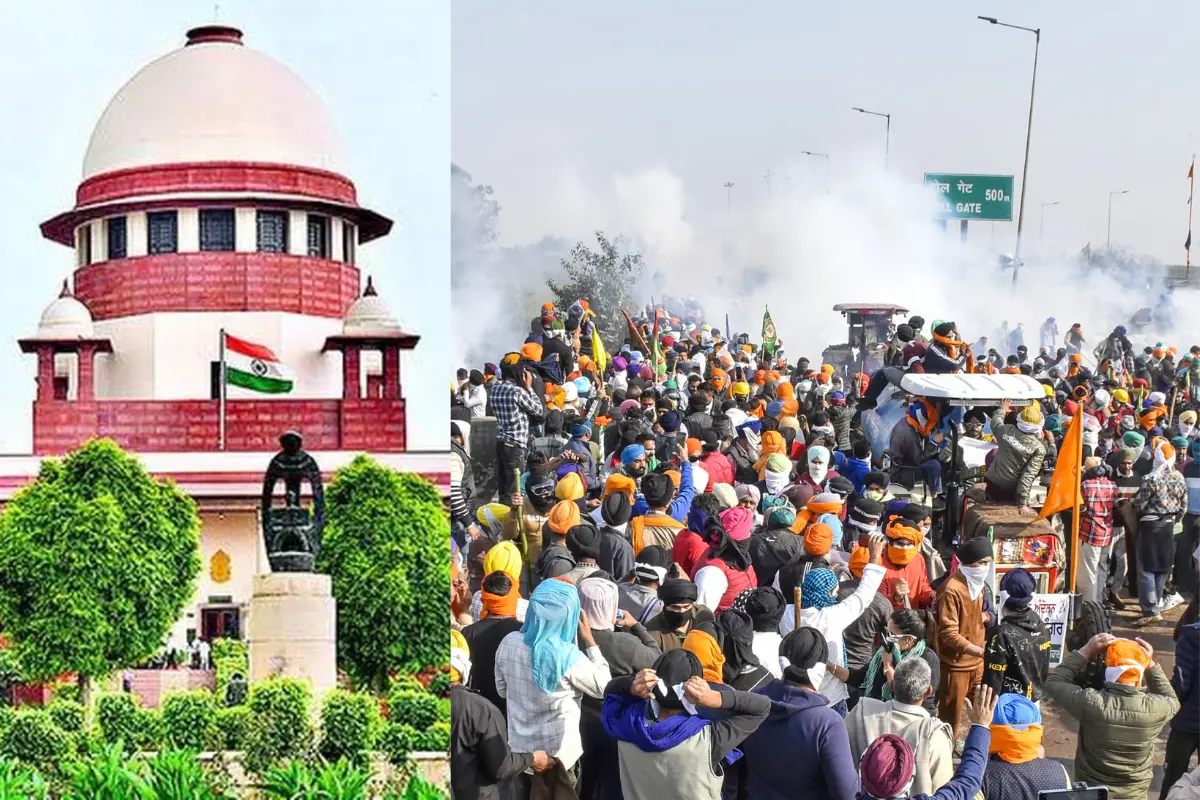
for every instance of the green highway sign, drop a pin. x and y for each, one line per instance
(981, 197)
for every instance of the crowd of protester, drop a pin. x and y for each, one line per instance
(695, 578)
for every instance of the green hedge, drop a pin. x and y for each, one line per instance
(189, 719)
(117, 718)
(349, 724)
(67, 714)
(233, 727)
(229, 658)
(439, 684)
(418, 709)
(33, 738)
(280, 727)
(436, 739)
(396, 740)
(443, 710)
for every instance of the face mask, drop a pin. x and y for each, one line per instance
(776, 481)
(1186, 428)
(818, 472)
(975, 577)
(875, 494)
(900, 555)
(805, 386)
(676, 619)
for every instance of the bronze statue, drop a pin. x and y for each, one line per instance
(292, 534)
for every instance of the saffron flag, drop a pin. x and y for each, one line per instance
(768, 333)
(255, 367)
(1066, 485)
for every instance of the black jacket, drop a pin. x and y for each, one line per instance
(1017, 657)
(479, 754)
(743, 464)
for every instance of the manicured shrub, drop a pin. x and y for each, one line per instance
(443, 710)
(229, 658)
(67, 714)
(349, 723)
(418, 709)
(439, 684)
(34, 739)
(280, 727)
(150, 732)
(436, 739)
(233, 727)
(117, 717)
(190, 720)
(396, 741)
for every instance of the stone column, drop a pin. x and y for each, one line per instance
(291, 629)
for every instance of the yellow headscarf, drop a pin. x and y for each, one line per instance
(460, 657)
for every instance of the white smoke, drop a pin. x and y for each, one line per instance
(800, 251)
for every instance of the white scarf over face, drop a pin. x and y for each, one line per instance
(1162, 464)
(815, 471)
(975, 577)
(776, 481)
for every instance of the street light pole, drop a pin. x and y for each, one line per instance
(729, 198)
(1037, 44)
(887, 142)
(1108, 236)
(824, 156)
(1042, 221)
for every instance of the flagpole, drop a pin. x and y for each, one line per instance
(1191, 194)
(221, 397)
(1077, 511)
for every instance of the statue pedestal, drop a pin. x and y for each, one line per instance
(291, 629)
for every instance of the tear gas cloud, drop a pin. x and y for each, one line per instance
(798, 251)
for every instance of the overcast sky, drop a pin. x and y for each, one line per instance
(727, 91)
(383, 71)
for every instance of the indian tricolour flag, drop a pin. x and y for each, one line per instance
(254, 367)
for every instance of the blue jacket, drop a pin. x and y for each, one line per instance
(800, 750)
(855, 471)
(1185, 680)
(969, 774)
(678, 510)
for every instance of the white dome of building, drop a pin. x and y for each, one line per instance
(369, 315)
(66, 318)
(214, 100)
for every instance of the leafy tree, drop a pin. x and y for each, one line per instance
(605, 277)
(387, 547)
(97, 560)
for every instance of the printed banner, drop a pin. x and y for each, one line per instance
(1054, 609)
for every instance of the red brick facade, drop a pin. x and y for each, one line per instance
(216, 176)
(217, 281)
(369, 424)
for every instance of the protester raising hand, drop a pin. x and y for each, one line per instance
(981, 706)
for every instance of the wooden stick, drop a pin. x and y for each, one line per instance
(797, 597)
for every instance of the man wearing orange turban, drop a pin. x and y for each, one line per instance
(1119, 725)
(906, 583)
(772, 442)
(719, 379)
(531, 351)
